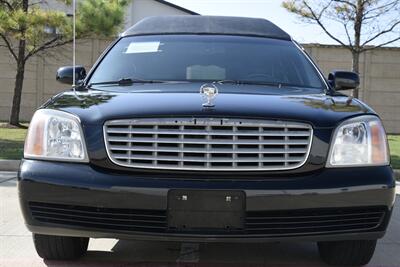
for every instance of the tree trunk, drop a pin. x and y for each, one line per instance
(355, 68)
(19, 77)
(19, 82)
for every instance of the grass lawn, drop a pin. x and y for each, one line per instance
(394, 144)
(12, 144)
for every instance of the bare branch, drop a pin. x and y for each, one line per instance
(365, 18)
(41, 47)
(317, 19)
(48, 45)
(8, 45)
(348, 35)
(346, 2)
(381, 33)
(382, 9)
(383, 44)
(5, 2)
(37, 3)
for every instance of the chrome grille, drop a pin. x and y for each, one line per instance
(213, 144)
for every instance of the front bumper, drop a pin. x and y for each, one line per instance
(78, 200)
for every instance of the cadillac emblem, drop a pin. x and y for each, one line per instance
(208, 92)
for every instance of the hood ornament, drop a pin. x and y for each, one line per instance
(208, 91)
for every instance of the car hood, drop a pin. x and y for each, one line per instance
(94, 107)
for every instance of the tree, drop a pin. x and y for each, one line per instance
(366, 24)
(26, 29)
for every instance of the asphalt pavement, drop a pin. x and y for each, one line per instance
(16, 247)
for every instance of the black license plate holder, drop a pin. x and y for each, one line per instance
(206, 209)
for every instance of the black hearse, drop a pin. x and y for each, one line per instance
(207, 129)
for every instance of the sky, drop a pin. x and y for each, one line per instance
(269, 9)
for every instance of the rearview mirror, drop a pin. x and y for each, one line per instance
(64, 74)
(343, 80)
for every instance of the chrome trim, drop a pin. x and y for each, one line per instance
(319, 71)
(279, 131)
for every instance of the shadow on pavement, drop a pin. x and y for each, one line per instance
(155, 254)
(8, 182)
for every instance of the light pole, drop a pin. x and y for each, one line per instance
(73, 42)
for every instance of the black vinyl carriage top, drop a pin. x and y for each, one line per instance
(218, 25)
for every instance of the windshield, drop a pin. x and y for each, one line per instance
(192, 58)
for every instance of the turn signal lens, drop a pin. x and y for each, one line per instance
(360, 141)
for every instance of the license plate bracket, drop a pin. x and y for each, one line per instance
(190, 210)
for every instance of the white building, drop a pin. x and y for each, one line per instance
(140, 9)
(137, 9)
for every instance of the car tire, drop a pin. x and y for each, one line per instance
(347, 253)
(60, 247)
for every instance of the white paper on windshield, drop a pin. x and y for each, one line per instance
(142, 47)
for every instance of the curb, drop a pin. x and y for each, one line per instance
(9, 165)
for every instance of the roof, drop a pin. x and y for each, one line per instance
(207, 25)
(190, 12)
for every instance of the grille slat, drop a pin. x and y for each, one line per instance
(201, 159)
(208, 144)
(320, 226)
(90, 216)
(98, 224)
(315, 229)
(192, 132)
(363, 220)
(314, 217)
(100, 212)
(215, 150)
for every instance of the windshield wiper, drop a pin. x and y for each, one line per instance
(125, 82)
(274, 84)
(229, 81)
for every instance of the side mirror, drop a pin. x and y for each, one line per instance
(343, 80)
(64, 74)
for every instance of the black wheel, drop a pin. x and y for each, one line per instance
(60, 247)
(347, 253)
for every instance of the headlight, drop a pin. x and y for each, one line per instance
(55, 135)
(359, 141)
